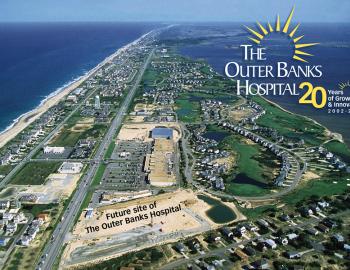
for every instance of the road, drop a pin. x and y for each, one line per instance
(53, 248)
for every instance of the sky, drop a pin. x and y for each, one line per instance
(172, 10)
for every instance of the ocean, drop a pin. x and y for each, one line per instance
(37, 59)
(219, 44)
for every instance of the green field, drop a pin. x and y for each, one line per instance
(5, 169)
(319, 187)
(253, 167)
(35, 173)
(188, 111)
(110, 150)
(257, 212)
(143, 259)
(290, 125)
(188, 104)
(68, 138)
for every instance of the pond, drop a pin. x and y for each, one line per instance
(216, 135)
(219, 212)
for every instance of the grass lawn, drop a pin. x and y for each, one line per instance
(36, 209)
(257, 212)
(96, 181)
(290, 125)
(319, 187)
(145, 259)
(340, 149)
(253, 172)
(5, 169)
(35, 173)
(110, 150)
(188, 111)
(188, 104)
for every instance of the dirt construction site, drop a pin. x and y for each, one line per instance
(112, 230)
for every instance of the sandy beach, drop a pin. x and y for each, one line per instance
(29, 117)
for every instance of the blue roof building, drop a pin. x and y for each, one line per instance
(162, 133)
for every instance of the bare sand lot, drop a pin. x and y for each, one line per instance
(83, 124)
(105, 214)
(115, 229)
(57, 187)
(237, 114)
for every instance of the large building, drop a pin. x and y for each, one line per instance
(160, 164)
(70, 167)
(53, 150)
(97, 103)
(162, 133)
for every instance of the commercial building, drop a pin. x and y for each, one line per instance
(162, 133)
(70, 167)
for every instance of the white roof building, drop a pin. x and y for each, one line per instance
(70, 167)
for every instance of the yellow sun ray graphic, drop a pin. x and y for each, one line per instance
(260, 32)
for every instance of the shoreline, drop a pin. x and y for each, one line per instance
(24, 120)
(336, 135)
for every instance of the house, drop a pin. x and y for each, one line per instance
(214, 237)
(338, 238)
(261, 264)
(241, 255)
(227, 232)
(4, 205)
(322, 228)
(249, 251)
(329, 223)
(323, 204)
(11, 227)
(180, 247)
(25, 240)
(284, 217)
(293, 254)
(194, 244)
(263, 223)
(305, 212)
(7, 216)
(312, 231)
(292, 236)
(241, 228)
(89, 213)
(315, 208)
(271, 243)
(4, 241)
(261, 246)
(15, 206)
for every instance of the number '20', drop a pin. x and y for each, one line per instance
(310, 97)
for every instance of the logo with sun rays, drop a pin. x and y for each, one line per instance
(298, 53)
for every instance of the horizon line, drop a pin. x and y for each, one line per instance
(183, 21)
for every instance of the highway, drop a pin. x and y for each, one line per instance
(53, 248)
